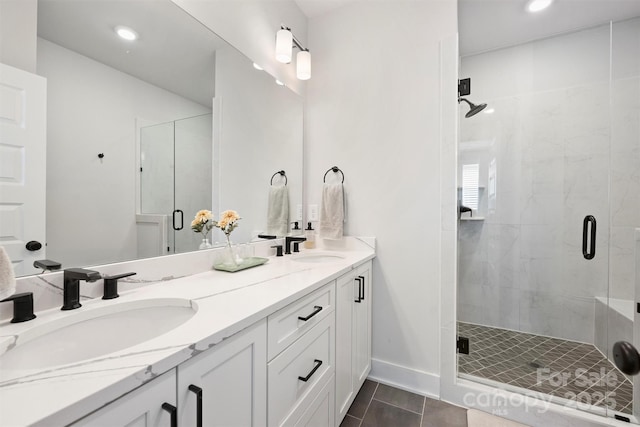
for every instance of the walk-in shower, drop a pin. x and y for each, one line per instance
(561, 144)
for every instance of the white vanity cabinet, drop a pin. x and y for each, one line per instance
(224, 386)
(301, 367)
(151, 405)
(227, 385)
(353, 336)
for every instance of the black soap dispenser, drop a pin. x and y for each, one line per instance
(310, 234)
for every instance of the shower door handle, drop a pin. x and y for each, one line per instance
(589, 253)
(181, 220)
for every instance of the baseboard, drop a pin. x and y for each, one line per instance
(405, 378)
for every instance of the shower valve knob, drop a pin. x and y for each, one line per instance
(626, 358)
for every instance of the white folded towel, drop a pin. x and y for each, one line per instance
(278, 211)
(332, 211)
(7, 278)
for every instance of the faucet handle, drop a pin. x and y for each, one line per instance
(278, 249)
(22, 307)
(111, 285)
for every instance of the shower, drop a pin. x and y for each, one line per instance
(474, 109)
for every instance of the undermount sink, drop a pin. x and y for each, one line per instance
(318, 258)
(92, 333)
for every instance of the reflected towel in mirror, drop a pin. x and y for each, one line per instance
(7, 277)
(332, 211)
(278, 211)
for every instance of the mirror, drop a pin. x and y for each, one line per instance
(110, 102)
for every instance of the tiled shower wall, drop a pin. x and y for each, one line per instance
(548, 139)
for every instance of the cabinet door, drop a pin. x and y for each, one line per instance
(346, 293)
(143, 407)
(362, 326)
(232, 377)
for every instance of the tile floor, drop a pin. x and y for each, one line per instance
(378, 405)
(554, 366)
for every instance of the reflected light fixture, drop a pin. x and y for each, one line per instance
(126, 33)
(285, 42)
(538, 5)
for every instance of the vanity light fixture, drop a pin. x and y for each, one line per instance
(285, 42)
(126, 33)
(534, 6)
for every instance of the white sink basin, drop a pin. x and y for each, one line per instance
(318, 258)
(95, 332)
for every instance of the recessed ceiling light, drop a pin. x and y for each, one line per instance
(538, 5)
(489, 111)
(126, 33)
(278, 82)
(257, 67)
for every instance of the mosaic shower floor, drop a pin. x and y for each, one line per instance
(571, 370)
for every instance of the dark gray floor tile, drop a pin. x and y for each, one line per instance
(360, 403)
(381, 414)
(442, 414)
(403, 399)
(350, 421)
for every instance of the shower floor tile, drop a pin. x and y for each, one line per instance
(561, 368)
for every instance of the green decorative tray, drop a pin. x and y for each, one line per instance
(246, 263)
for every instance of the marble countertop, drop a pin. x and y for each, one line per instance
(226, 304)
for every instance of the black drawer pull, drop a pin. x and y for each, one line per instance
(198, 391)
(359, 280)
(316, 309)
(313, 371)
(173, 411)
(361, 287)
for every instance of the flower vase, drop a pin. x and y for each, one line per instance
(205, 244)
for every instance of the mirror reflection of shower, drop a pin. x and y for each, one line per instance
(473, 108)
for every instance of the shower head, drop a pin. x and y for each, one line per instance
(474, 109)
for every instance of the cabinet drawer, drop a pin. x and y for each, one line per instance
(311, 357)
(285, 326)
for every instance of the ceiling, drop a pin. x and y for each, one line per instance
(490, 24)
(174, 51)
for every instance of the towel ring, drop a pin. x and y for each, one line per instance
(281, 173)
(335, 169)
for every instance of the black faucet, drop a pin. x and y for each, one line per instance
(72, 277)
(287, 243)
(22, 307)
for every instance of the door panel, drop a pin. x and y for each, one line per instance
(22, 166)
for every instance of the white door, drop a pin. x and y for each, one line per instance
(23, 155)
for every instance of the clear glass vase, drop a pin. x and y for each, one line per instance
(205, 243)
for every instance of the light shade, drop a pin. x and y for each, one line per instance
(284, 46)
(538, 5)
(303, 65)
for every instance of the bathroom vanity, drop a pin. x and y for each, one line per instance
(287, 343)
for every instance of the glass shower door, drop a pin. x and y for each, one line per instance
(533, 262)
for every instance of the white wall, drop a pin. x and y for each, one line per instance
(92, 109)
(18, 22)
(373, 110)
(250, 26)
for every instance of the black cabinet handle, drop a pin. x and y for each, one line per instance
(173, 411)
(198, 391)
(316, 309)
(359, 280)
(33, 246)
(181, 220)
(361, 287)
(313, 371)
(591, 253)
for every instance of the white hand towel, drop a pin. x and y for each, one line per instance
(332, 211)
(278, 211)
(7, 278)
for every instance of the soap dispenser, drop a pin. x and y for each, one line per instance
(310, 234)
